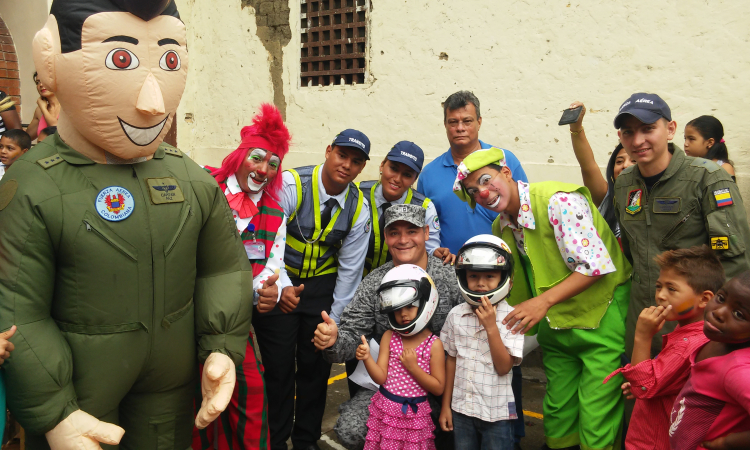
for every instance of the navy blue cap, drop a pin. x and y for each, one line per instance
(407, 153)
(648, 108)
(353, 138)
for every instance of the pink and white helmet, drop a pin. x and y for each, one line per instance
(408, 285)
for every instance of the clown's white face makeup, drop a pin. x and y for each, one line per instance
(257, 170)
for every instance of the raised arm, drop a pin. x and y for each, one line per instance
(592, 175)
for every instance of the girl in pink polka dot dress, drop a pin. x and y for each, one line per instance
(410, 364)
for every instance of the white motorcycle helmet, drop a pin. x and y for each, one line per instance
(484, 253)
(408, 285)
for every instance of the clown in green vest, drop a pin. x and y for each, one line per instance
(570, 271)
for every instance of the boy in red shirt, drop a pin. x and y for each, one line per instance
(687, 281)
(712, 411)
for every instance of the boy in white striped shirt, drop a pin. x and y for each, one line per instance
(478, 403)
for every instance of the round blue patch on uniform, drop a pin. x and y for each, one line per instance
(114, 203)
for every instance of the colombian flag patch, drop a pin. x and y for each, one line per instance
(723, 198)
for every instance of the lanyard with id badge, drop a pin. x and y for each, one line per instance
(255, 249)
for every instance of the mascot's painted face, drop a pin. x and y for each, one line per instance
(260, 167)
(121, 90)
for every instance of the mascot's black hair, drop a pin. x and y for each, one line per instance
(71, 14)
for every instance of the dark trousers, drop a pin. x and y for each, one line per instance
(351, 366)
(519, 428)
(282, 339)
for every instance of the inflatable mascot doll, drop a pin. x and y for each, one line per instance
(120, 262)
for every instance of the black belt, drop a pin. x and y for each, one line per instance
(407, 402)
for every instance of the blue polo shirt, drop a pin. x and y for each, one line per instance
(458, 222)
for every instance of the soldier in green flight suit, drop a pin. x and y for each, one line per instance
(122, 267)
(669, 201)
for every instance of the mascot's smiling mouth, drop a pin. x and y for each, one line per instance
(142, 136)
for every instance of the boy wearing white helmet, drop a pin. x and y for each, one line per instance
(410, 363)
(478, 402)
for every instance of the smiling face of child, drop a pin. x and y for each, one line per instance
(727, 316)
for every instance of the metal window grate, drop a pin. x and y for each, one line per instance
(334, 39)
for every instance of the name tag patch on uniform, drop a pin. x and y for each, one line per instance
(164, 190)
(667, 205)
(723, 197)
(114, 203)
(634, 201)
(720, 243)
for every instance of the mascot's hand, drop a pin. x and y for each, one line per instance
(82, 431)
(217, 385)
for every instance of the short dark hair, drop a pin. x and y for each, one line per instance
(699, 266)
(459, 100)
(19, 137)
(49, 131)
(71, 14)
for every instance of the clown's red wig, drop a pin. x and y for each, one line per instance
(267, 132)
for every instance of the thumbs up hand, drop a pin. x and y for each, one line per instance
(363, 351)
(290, 298)
(268, 294)
(326, 333)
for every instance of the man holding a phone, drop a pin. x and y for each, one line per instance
(668, 201)
(458, 221)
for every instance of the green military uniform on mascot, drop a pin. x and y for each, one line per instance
(122, 267)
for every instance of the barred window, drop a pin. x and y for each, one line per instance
(334, 41)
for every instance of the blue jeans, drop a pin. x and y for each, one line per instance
(472, 433)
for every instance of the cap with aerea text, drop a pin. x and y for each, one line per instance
(353, 138)
(648, 108)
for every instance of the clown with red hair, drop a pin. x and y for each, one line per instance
(248, 178)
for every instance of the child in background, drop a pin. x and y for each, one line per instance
(13, 144)
(410, 363)
(478, 403)
(713, 409)
(49, 131)
(5, 348)
(687, 282)
(704, 138)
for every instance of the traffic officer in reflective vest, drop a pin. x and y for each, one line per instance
(398, 172)
(327, 237)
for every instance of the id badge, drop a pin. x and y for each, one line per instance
(256, 250)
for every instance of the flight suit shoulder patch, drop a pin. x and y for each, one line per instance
(7, 191)
(50, 161)
(172, 151)
(710, 166)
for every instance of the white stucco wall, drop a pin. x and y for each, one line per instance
(24, 18)
(526, 61)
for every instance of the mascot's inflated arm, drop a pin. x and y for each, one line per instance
(120, 262)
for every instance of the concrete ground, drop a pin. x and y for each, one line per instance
(534, 383)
